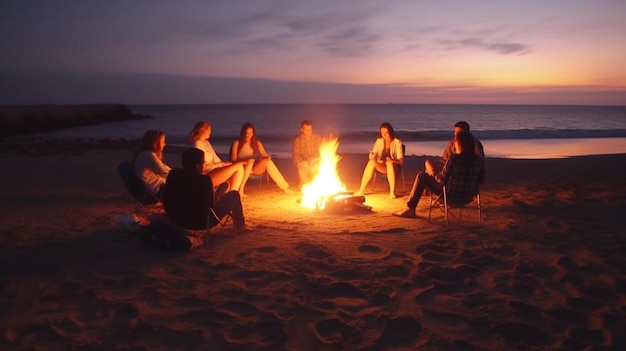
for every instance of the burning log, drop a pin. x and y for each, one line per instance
(326, 192)
(341, 203)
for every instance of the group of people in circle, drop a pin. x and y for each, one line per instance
(248, 156)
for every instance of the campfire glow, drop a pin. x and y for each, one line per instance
(327, 181)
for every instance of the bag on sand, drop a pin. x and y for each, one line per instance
(169, 237)
(130, 222)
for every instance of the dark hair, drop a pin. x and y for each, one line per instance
(388, 126)
(463, 125)
(149, 142)
(191, 158)
(242, 138)
(466, 141)
(306, 122)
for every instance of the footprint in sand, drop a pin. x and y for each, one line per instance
(384, 296)
(313, 251)
(523, 333)
(567, 316)
(346, 274)
(400, 331)
(396, 271)
(237, 308)
(447, 320)
(330, 331)
(341, 289)
(525, 311)
(369, 249)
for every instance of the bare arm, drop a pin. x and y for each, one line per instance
(262, 151)
(234, 151)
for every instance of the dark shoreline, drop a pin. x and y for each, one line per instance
(20, 120)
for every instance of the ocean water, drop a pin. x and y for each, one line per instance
(511, 131)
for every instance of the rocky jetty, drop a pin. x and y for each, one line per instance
(17, 120)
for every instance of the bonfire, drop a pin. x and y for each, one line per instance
(327, 182)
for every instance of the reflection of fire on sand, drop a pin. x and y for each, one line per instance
(545, 271)
(326, 191)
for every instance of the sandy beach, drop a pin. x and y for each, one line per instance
(545, 271)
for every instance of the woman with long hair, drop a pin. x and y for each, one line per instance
(249, 149)
(385, 157)
(147, 161)
(219, 171)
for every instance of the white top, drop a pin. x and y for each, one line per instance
(245, 153)
(395, 149)
(211, 159)
(151, 171)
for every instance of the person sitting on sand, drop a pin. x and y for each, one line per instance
(214, 167)
(306, 152)
(147, 162)
(464, 164)
(385, 157)
(247, 148)
(188, 198)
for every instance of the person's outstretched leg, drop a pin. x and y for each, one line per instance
(247, 170)
(368, 172)
(303, 173)
(233, 174)
(391, 179)
(276, 176)
(414, 197)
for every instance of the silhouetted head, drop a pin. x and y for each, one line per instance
(193, 160)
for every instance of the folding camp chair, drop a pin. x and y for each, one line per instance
(221, 222)
(137, 191)
(444, 202)
(261, 177)
(401, 172)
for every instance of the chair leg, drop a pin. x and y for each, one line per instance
(222, 222)
(264, 177)
(430, 206)
(480, 217)
(445, 206)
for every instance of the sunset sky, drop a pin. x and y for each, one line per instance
(365, 51)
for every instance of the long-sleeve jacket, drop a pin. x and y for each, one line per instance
(395, 149)
(152, 171)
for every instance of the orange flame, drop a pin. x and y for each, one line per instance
(327, 181)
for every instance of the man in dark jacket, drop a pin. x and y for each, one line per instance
(188, 197)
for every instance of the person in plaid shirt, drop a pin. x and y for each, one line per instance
(462, 174)
(306, 152)
(449, 150)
